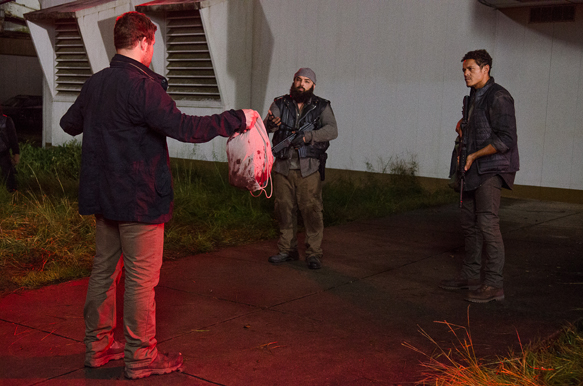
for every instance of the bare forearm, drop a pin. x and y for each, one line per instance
(488, 150)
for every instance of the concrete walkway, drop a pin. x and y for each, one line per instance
(239, 320)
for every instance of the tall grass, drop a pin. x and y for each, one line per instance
(44, 240)
(209, 213)
(391, 186)
(557, 361)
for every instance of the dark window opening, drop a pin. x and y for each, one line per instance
(552, 14)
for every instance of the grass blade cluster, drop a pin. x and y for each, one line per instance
(44, 240)
(557, 361)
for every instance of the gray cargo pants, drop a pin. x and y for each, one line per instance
(293, 192)
(138, 247)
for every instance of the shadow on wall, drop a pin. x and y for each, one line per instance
(262, 41)
(106, 29)
(483, 22)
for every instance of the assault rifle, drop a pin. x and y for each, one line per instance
(462, 149)
(308, 126)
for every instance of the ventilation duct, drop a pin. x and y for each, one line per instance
(72, 67)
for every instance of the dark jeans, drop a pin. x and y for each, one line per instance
(8, 176)
(481, 228)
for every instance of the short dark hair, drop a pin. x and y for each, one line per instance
(482, 57)
(130, 27)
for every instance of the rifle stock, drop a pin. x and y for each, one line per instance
(463, 151)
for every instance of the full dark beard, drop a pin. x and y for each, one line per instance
(301, 96)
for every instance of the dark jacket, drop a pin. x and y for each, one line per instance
(125, 116)
(8, 137)
(492, 122)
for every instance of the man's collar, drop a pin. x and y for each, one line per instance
(124, 61)
(119, 58)
(482, 90)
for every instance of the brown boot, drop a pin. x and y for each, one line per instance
(485, 294)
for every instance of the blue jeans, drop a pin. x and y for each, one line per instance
(138, 247)
(481, 228)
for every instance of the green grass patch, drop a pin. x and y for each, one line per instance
(43, 239)
(391, 187)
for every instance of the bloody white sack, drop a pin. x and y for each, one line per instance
(250, 158)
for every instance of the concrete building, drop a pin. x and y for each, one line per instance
(391, 69)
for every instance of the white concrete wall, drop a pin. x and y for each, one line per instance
(542, 65)
(96, 27)
(228, 27)
(392, 71)
(93, 23)
(17, 8)
(390, 68)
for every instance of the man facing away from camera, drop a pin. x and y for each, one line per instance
(125, 116)
(491, 164)
(298, 171)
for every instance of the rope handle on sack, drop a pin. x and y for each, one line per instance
(265, 142)
(263, 189)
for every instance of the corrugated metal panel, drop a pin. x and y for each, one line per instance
(72, 65)
(189, 66)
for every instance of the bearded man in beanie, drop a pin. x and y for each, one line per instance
(299, 168)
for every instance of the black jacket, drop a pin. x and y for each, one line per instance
(125, 116)
(492, 122)
(8, 137)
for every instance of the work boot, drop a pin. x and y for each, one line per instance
(314, 262)
(459, 284)
(163, 364)
(113, 353)
(282, 257)
(485, 294)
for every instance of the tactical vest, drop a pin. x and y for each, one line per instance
(310, 113)
(481, 131)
